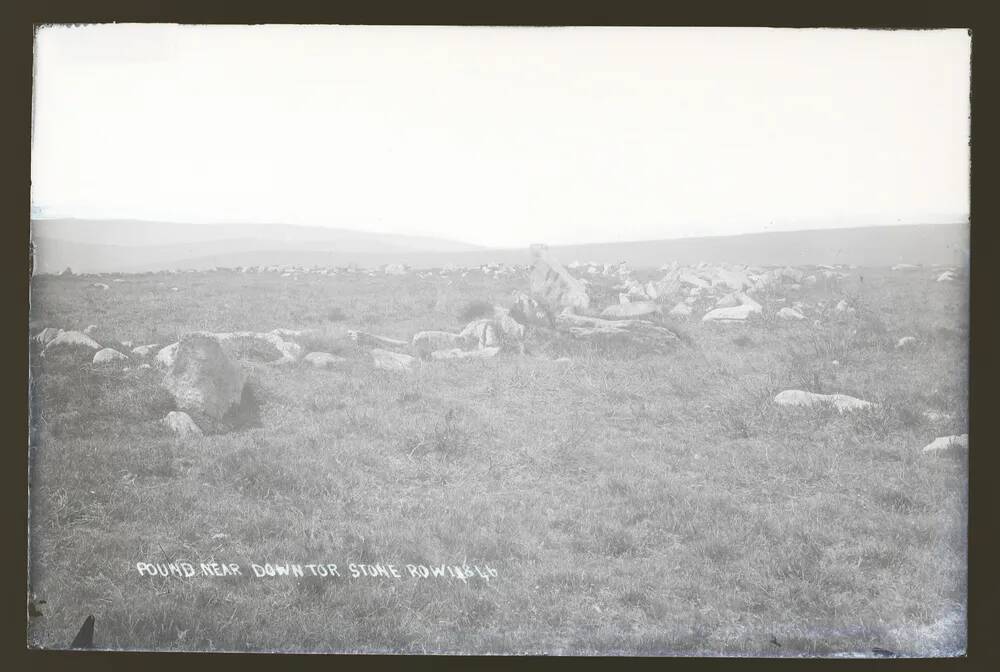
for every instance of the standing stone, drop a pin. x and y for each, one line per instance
(203, 379)
(553, 285)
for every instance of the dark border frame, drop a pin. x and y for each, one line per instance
(880, 14)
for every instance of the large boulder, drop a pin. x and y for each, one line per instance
(552, 284)
(202, 378)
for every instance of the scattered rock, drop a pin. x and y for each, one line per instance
(680, 310)
(529, 311)
(733, 279)
(456, 353)
(903, 267)
(323, 360)
(72, 338)
(481, 334)
(367, 340)
(288, 351)
(181, 424)
(947, 443)
(90, 330)
(736, 314)
(510, 329)
(46, 335)
(392, 361)
(938, 416)
(694, 280)
(100, 285)
(841, 402)
(727, 301)
(202, 378)
(636, 309)
(790, 314)
(947, 276)
(144, 350)
(906, 341)
(166, 356)
(108, 356)
(426, 342)
(580, 325)
(552, 284)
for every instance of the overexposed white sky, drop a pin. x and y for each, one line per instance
(503, 136)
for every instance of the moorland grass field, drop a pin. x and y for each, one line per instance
(629, 501)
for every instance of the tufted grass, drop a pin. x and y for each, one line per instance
(631, 503)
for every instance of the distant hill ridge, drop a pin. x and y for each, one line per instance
(149, 246)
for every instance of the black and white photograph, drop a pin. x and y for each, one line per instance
(499, 340)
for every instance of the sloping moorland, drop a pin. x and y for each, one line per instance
(630, 502)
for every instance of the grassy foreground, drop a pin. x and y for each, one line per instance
(629, 502)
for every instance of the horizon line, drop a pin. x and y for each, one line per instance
(482, 247)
